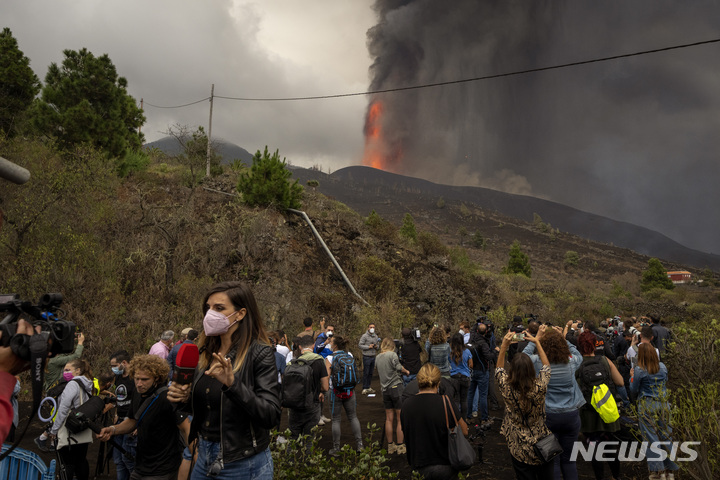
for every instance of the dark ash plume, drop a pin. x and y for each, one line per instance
(622, 138)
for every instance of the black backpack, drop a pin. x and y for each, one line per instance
(297, 385)
(89, 410)
(592, 372)
(343, 372)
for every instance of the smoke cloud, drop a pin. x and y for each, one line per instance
(634, 139)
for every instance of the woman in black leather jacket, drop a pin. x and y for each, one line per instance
(234, 397)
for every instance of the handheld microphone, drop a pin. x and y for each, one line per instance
(185, 364)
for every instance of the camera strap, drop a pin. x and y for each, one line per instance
(38, 354)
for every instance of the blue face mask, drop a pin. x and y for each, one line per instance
(117, 370)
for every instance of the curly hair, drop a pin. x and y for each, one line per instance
(150, 364)
(555, 347)
(437, 336)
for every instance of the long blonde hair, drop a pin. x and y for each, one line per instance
(251, 328)
(387, 345)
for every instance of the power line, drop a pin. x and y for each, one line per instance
(466, 80)
(178, 106)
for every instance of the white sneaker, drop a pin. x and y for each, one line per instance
(325, 419)
(365, 391)
(321, 422)
(370, 390)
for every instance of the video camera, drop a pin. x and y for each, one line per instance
(59, 333)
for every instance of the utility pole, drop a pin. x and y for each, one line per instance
(212, 93)
(142, 110)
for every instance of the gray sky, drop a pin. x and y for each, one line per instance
(171, 51)
(635, 139)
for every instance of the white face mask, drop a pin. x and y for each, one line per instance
(330, 333)
(372, 330)
(462, 332)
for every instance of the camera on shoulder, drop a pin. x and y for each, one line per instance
(59, 333)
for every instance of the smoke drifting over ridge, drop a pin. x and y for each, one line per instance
(634, 139)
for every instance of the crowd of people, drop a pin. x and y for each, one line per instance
(249, 378)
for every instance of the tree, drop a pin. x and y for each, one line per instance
(313, 184)
(408, 228)
(194, 153)
(655, 276)
(85, 100)
(462, 231)
(18, 83)
(268, 182)
(519, 262)
(478, 240)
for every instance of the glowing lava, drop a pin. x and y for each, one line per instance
(374, 142)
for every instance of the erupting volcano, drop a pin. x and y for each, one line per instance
(378, 154)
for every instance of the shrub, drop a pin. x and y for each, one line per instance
(301, 458)
(478, 241)
(379, 227)
(377, 277)
(268, 182)
(132, 161)
(408, 228)
(572, 258)
(519, 262)
(440, 203)
(430, 244)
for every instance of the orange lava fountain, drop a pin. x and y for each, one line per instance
(374, 155)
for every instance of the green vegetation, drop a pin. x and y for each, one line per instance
(440, 203)
(268, 182)
(655, 276)
(377, 278)
(302, 458)
(572, 258)
(379, 227)
(462, 233)
(313, 184)
(519, 263)
(478, 241)
(430, 244)
(18, 84)
(408, 228)
(86, 101)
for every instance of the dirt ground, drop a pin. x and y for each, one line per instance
(495, 455)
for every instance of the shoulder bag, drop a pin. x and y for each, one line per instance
(460, 452)
(548, 447)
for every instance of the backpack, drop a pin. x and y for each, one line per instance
(598, 388)
(297, 383)
(343, 372)
(78, 417)
(53, 392)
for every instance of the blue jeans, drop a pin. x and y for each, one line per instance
(123, 465)
(654, 428)
(566, 427)
(368, 369)
(257, 467)
(479, 382)
(407, 379)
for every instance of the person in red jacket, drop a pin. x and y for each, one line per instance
(10, 365)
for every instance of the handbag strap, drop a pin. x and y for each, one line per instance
(446, 401)
(522, 413)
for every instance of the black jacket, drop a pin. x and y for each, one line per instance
(482, 356)
(250, 407)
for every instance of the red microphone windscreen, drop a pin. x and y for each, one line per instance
(188, 356)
